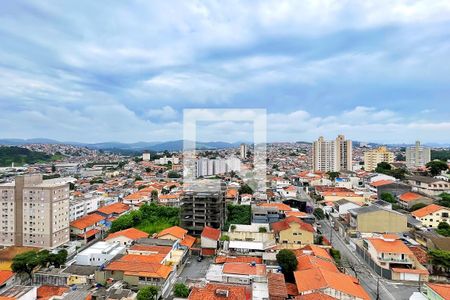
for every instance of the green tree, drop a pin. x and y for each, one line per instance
(262, 229)
(173, 174)
(288, 262)
(147, 293)
(388, 197)
(181, 290)
(25, 263)
(417, 206)
(445, 200)
(336, 254)
(238, 214)
(439, 259)
(319, 214)
(245, 189)
(53, 168)
(333, 175)
(318, 240)
(154, 195)
(382, 167)
(435, 167)
(443, 229)
(224, 238)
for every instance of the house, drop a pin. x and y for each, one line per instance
(7, 279)
(293, 231)
(47, 292)
(289, 192)
(390, 253)
(113, 211)
(214, 291)
(428, 185)
(138, 271)
(126, 237)
(177, 233)
(331, 194)
(393, 188)
(210, 240)
(408, 199)
(437, 291)
(170, 199)
(343, 206)
(374, 218)
(136, 199)
(254, 238)
(431, 215)
(269, 212)
(246, 199)
(237, 273)
(88, 227)
(99, 254)
(19, 292)
(333, 284)
(277, 286)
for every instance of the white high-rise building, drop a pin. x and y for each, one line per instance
(243, 151)
(210, 167)
(417, 156)
(146, 156)
(334, 155)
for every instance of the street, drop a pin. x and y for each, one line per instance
(387, 290)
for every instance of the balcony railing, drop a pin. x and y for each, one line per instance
(392, 259)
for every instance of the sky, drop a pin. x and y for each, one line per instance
(94, 71)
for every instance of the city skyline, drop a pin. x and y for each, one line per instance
(373, 69)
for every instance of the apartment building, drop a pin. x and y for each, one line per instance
(373, 157)
(334, 155)
(35, 212)
(209, 167)
(243, 151)
(417, 156)
(203, 205)
(80, 207)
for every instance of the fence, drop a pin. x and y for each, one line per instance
(385, 273)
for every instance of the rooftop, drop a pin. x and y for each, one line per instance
(429, 209)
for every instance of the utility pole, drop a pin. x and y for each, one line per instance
(378, 288)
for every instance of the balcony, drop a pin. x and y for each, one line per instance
(395, 260)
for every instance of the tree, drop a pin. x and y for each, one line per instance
(445, 200)
(262, 229)
(233, 227)
(417, 206)
(318, 240)
(245, 189)
(443, 229)
(388, 197)
(333, 175)
(53, 168)
(288, 262)
(147, 293)
(25, 263)
(173, 174)
(435, 167)
(382, 167)
(154, 195)
(439, 259)
(319, 214)
(181, 290)
(224, 238)
(336, 254)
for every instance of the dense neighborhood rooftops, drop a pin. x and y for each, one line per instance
(115, 208)
(285, 224)
(219, 292)
(241, 259)
(131, 233)
(151, 248)
(139, 267)
(244, 269)
(175, 231)
(87, 221)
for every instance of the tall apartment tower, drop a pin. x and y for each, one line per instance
(203, 204)
(373, 157)
(243, 151)
(332, 156)
(417, 156)
(35, 212)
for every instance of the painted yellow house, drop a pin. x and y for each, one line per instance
(293, 231)
(431, 215)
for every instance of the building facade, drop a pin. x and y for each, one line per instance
(332, 156)
(417, 156)
(35, 212)
(373, 157)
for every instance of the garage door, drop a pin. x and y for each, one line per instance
(409, 277)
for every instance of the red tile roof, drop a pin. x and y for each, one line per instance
(409, 196)
(285, 224)
(315, 250)
(116, 208)
(87, 221)
(277, 286)
(314, 296)
(410, 271)
(138, 267)
(131, 233)
(279, 206)
(429, 209)
(188, 241)
(243, 259)
(151, 248)
(211, 233)
(5, 275)
(89, 233)
(306, 262)
(210, 292)
(381, 182)
(392, 246)
(45, 292)
(174, 231)
(244, 269)
(441, 289)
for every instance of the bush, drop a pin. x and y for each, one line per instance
(181, 290)
(417, 206)
(319, 214)
(336, 254)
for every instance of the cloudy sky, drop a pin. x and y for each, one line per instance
(94, 71)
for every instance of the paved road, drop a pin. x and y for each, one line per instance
(387, 289)
(194, 270)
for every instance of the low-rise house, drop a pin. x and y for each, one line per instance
(437, 291)
(428, 185)
(170, 199)
(269, 212)
(377, 219)
(254, 238)
(88, 227)
(19, 292)
(113, 211)
(394, 188)
(7, 279)
(343, 206)
(331, 194)
(277, 286)
(177, 233)
(408, 199)
(99, 254)
(213, 291)
(126, 237)
(210, 240)
(432, 215)
(390, 253)
(289, 192)
(293, 231)
(237, 273)
(138, 271)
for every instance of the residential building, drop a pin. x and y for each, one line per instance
(176, 233)
(254, 238)
(432, 215)
(394, 188)
(209, 167)
(210, 240)
(203, 205)
(409, 199)
(373, 157)
(437, 291)
(19, 292)
(7, 279)
(374, 218)
(99, 253)
(79, 207)
(390, 253)
(126, 237)
(334, 156)
(237, 273)
(417, 156)
(146, 156)
(428, 185)
(293, 231)
(88, 227)
(243, 151)
(214, 291)
(166, 160)
(35, 212)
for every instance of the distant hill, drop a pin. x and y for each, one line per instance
(20, 156)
